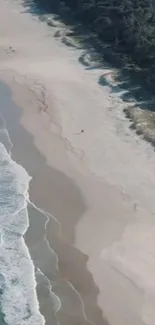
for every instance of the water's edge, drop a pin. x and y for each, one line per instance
(18, 299)
(52, 286)
(15, 225)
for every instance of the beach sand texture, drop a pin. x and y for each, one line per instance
(98, 185)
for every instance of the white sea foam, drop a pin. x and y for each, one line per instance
(18, 297)
(55, 301)
(4, 135)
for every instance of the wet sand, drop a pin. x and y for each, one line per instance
(57, 194)
(98, 186)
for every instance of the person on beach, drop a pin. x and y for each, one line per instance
(82, 131)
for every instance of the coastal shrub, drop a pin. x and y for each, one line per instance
(129, 27)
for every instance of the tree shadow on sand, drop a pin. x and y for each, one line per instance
(139, 102)
(130, 84)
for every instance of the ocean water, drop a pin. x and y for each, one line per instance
(25, 271)
(18, 298)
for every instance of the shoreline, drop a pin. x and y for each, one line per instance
(16, 263)
(99, 186)
(67, 262)
(70, 258)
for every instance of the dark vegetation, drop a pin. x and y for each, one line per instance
(128, 26)
(118, 33)
(122, 32)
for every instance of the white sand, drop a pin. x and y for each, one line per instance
(118, 230)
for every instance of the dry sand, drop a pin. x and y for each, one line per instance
(98, 184)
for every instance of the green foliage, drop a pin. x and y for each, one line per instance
(128, 25)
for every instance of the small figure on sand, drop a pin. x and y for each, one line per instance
(82, 131)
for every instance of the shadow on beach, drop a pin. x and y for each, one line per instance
(130, 83)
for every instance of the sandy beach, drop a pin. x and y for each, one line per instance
(94, 235)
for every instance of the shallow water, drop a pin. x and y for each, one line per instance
(18, 298)
(59, 302)
(18, 275)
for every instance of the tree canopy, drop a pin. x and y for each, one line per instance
(128, 25)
